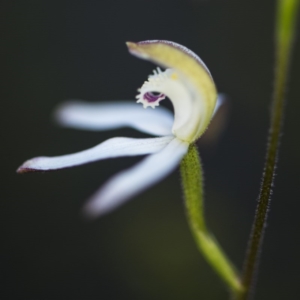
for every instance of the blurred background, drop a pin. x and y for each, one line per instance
(57, 50)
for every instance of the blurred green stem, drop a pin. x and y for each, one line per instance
(285, 32)
(192, 180)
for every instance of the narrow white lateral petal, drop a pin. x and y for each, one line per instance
(220, 100)
(136, 179)
(115, 147)
(115, 114)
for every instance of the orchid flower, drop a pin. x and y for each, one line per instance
(188, 84)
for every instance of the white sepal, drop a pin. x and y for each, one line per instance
(115, 147)
(114, 114)
(130, 182)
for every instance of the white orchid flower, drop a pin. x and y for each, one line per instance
(186, 82)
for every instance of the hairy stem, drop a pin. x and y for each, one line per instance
(192, 180)
(285, 31)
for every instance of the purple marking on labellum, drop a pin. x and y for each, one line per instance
(150, 97)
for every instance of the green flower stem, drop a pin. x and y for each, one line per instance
(192, 180)
(285, 32)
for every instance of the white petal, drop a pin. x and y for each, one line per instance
(220, 101)
(115, 114)
(136, 179)
(114, 147)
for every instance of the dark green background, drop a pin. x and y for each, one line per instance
(57, 50)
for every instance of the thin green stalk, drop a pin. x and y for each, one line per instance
(192, 180)
(285, 32)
